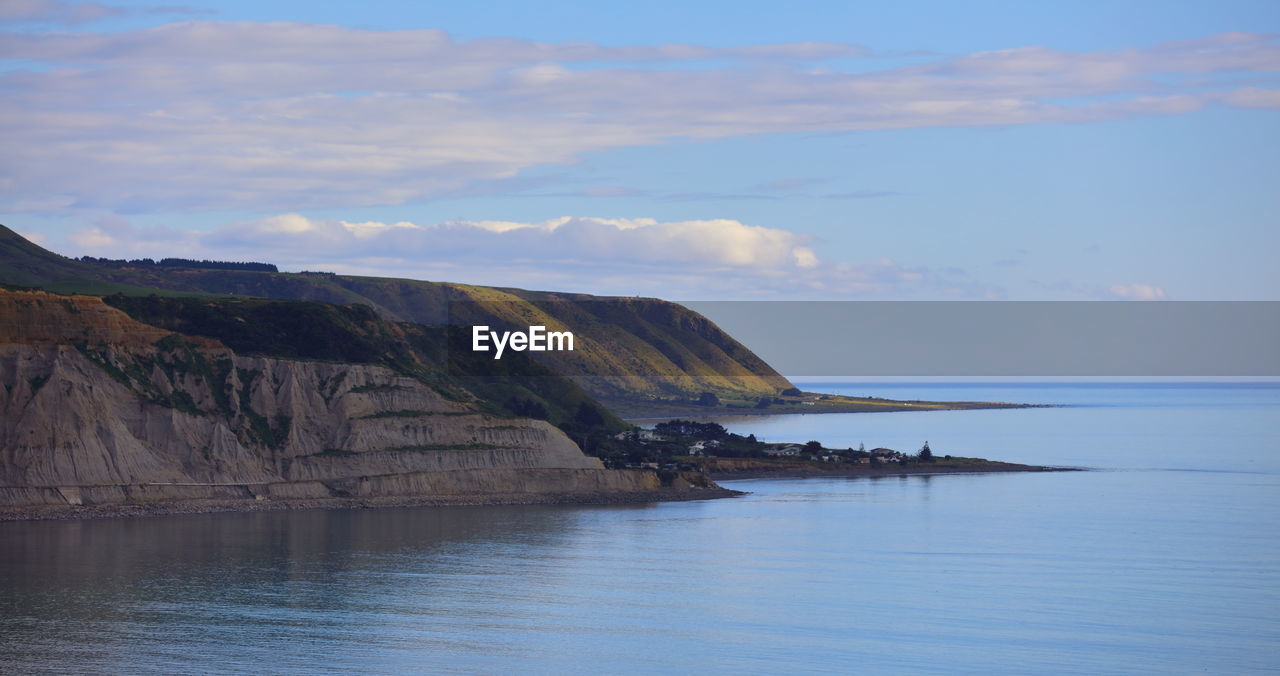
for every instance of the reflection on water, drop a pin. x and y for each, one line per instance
(101, 591)
(1146, 569)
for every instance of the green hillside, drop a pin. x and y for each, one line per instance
(628, 349)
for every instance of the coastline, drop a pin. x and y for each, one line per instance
(187, 507)
(763, 470)
(747, 470)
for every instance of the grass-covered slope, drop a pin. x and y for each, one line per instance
(627, 348)
(26, 264)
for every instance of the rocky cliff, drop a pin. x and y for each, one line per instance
(98, 408)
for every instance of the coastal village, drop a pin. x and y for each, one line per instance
(681, 444)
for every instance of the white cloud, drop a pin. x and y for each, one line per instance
(804, 257)
(718, 258)
(1136, 291)
(94, 239)
(720, 243)
(285, 116)
(288, 224)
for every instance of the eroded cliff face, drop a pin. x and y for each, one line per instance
(97, 407)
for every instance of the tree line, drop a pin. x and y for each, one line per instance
(181, 263)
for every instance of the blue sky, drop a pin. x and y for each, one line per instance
(728, 150)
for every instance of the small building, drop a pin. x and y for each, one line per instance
(885, 454)
(640, 434)
(700, 447)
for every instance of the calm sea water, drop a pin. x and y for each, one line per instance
(1167, 560)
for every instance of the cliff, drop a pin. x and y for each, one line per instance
(98, 408)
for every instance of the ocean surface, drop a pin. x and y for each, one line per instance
(1166, 559)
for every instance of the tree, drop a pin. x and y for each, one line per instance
(588, 416)
(692, 428)
(791, 392)
(527, 408)
(708, 399)
(813, 446)
(926, 455)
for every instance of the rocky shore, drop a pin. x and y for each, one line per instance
(175, 508)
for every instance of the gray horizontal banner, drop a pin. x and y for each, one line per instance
(1006, 338)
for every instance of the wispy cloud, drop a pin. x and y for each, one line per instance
(787, 185)
(859, 195)
(770, 191)
(283, 116)
(56, 11)
(67, 13)
(1254, 97)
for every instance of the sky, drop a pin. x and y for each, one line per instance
(744, 150)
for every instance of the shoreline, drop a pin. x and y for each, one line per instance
(923, 469)
(187, 507)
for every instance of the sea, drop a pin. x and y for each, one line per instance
(1163, 558)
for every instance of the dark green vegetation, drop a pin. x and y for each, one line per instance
(179, 263)
(319, 331)
(176, 357)
(180, 360)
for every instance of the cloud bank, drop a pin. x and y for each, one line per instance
(294, 116)
(563, 241)
(719, 258)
